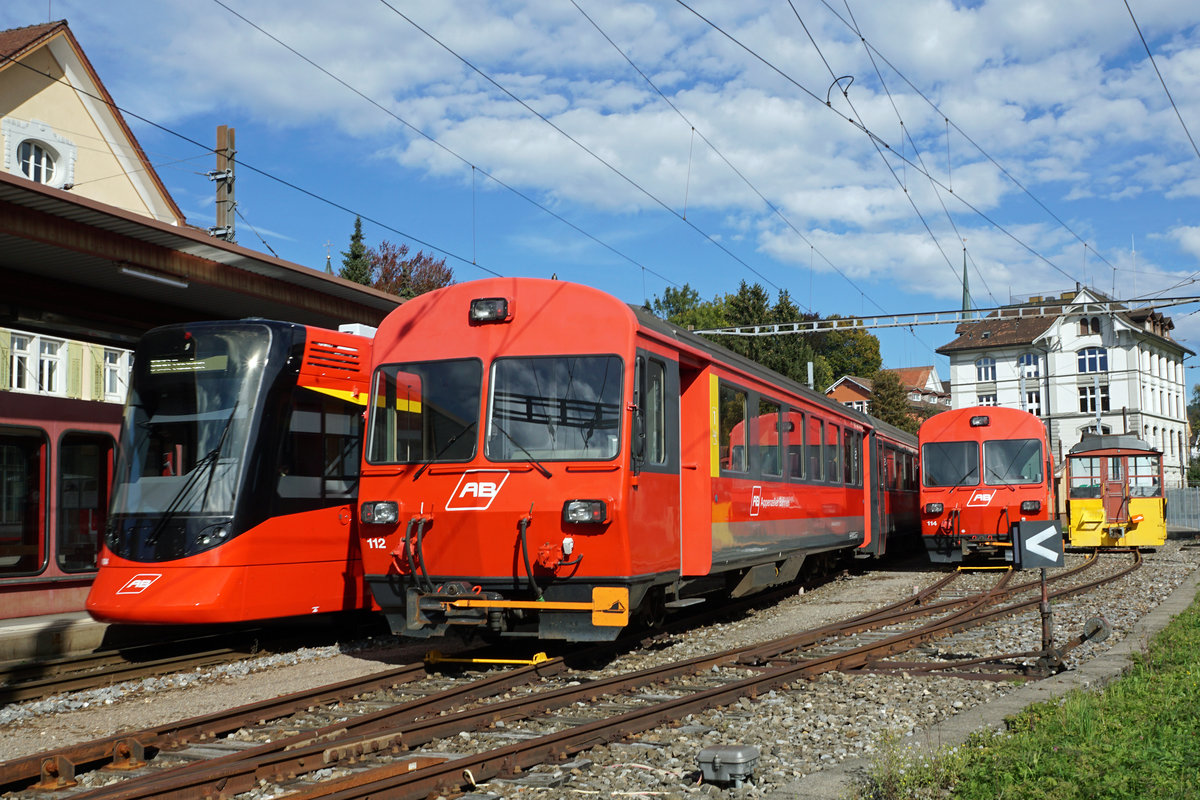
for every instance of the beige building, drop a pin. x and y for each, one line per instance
(60, 127)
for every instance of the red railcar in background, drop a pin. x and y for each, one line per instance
(235, 487)
(56, 464)
(543, 459)
(983, 470)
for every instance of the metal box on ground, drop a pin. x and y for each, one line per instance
(728, 763)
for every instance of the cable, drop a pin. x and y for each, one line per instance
(443, 147)
(580, 145)
(875, 138)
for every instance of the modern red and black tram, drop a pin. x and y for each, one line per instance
(543, 459)
(56, 464)
(983, 470)
(235, 486)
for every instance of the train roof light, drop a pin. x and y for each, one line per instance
(490, 309)
(981, 421)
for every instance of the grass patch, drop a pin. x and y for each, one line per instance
(1138, 738)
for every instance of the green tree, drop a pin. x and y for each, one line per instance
(851, 351)
(889, 402)
(356, 263)
(398, 274)
(683, 307)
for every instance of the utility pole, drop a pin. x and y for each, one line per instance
(223, 177)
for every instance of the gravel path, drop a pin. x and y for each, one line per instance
(797, 731)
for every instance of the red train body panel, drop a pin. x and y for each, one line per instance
(57, 455)
(542, 458)
(983, 470)
(235, 490)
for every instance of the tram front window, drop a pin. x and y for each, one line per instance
(188, 421)
(1012, 461)
(425, 412)
(950, 464)
(555, 408)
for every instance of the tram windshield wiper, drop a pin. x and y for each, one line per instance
(529, 459)
(443, 450)
(204, 467)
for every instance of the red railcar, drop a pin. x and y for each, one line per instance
(236, 482)
(543, 459)
(983, 470)
(56, 465)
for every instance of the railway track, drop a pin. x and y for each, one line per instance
(35, 679)
(407, 733)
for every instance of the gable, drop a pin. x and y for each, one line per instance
(59, 126)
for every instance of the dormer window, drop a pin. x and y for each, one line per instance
(36, 161)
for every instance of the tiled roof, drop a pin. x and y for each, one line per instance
(15, 41)
(998, 332)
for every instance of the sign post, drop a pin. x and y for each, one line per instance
(1039, 544)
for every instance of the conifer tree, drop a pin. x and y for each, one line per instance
(356, 263)
(889, 402)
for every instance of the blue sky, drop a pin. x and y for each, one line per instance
(657, 143)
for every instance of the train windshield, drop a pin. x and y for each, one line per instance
(1012, 461)
(555, 408)
(950, 464)
(425, 412)
(191, 407)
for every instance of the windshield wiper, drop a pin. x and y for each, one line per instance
(445, 447)
(207, 464)
(528, 455)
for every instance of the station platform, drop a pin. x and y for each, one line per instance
(40, 638)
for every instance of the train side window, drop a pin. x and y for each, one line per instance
(22, 508)
(85, 474)
(321, 449)
(732, 432)
(793, 430)
(768, 438)
(1085, 477)
(832, 451)
(852, 449)
(656, 412)
(814, 465)
(1114, 468)
(1143, 477)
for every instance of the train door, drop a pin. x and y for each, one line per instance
(1113, 490)
(654, 513)
(698, 426)
(876, 494)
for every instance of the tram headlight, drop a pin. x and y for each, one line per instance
(380, 512)
(1031, 506)
(490, 309)
(582, 512)
(933, 508)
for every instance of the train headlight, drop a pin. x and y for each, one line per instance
(1031, 506)
(582, 512)
(490, 309)
(981, 422)
(933, 508)
(380, 512)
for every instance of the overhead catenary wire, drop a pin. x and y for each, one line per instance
(877, 139)
(4, 58)
(633, 183)
(434, 141)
